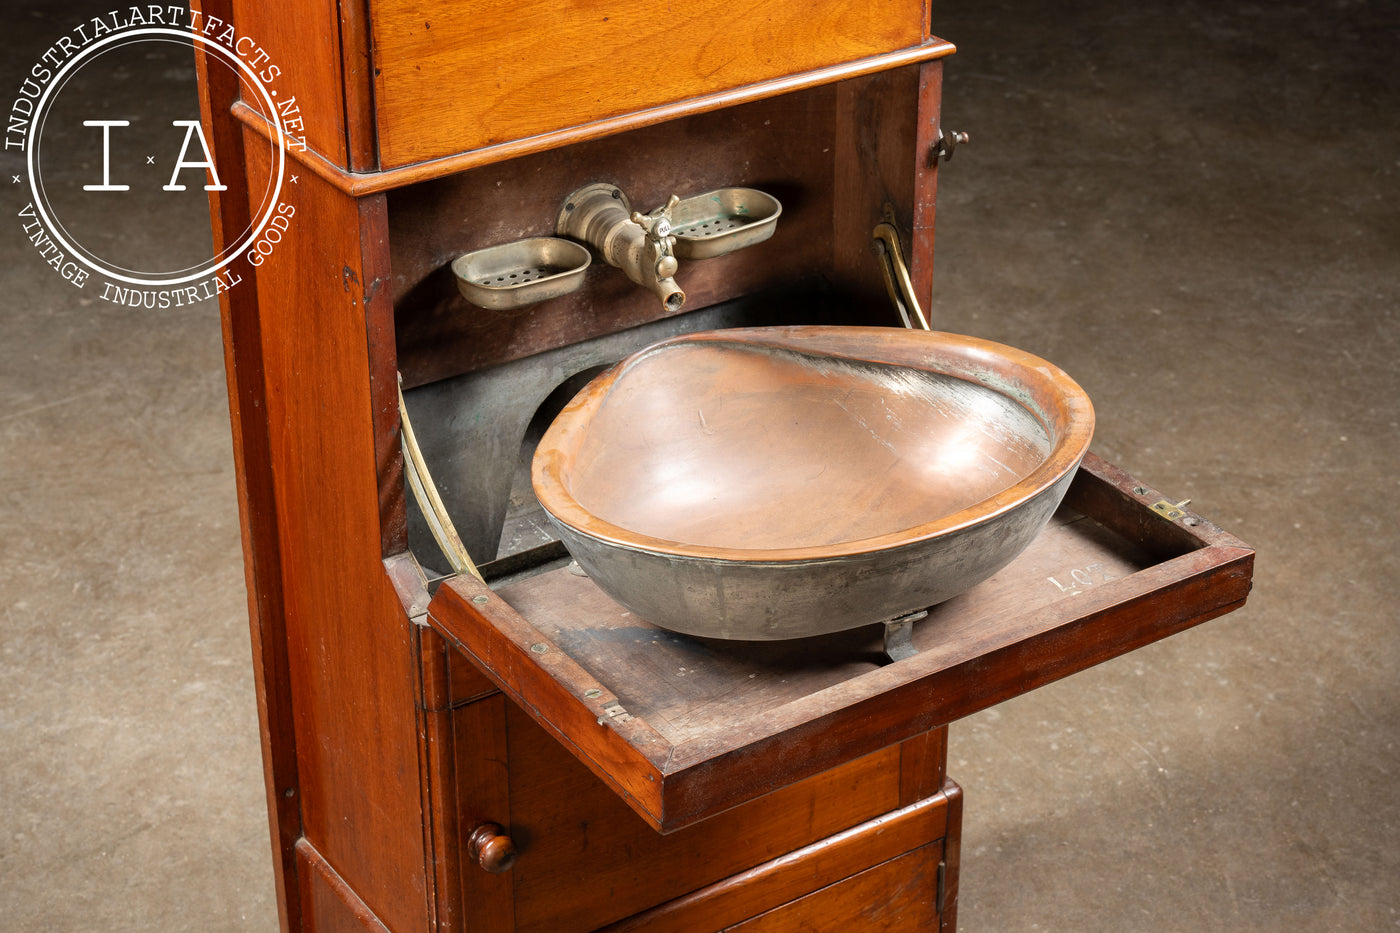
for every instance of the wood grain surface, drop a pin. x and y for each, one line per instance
(302, 41)
(586, 859)
(684, 728)
(325, 323)
(450, 79)
(826, 862)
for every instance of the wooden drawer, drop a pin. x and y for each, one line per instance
(898, 895)
(585, 859)
(892, 873)
(683, 729)
(451, 78)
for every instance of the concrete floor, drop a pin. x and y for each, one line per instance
(130, 772)
(1192, 207)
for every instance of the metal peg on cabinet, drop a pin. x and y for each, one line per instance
(948, 140)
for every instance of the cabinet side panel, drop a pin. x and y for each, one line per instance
(301, 40)
(330, 905)
(952, 860)
(349, 651)
(357, 66)
(874, 178)
(926, 164)
(923, 765)
(243, 366)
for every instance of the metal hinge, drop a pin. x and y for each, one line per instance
(1169, 510)
(942, 887)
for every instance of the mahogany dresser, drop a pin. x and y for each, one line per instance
(450, 754)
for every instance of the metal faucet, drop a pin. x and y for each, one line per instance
(641, 245)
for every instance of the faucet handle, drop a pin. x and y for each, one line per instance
(657, 224)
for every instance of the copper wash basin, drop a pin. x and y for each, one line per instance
(781, 482)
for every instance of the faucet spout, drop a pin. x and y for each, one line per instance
(641, 245)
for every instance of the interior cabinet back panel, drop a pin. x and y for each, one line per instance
(453, 77)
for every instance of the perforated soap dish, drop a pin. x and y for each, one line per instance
(719, 222)
(513, 275)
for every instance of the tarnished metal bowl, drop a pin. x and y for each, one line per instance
(782, 482)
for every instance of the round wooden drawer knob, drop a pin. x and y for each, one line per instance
(491, 847)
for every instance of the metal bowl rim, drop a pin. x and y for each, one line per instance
(566, 434)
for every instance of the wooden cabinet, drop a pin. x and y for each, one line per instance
(587, 861)
(450, 80)
(641, 782)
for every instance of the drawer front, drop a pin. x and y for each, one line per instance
(898, 896)
(587, 860)
(454, 77)
(888, 874)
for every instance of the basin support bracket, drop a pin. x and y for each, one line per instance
(899, 635)
(885, 243)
